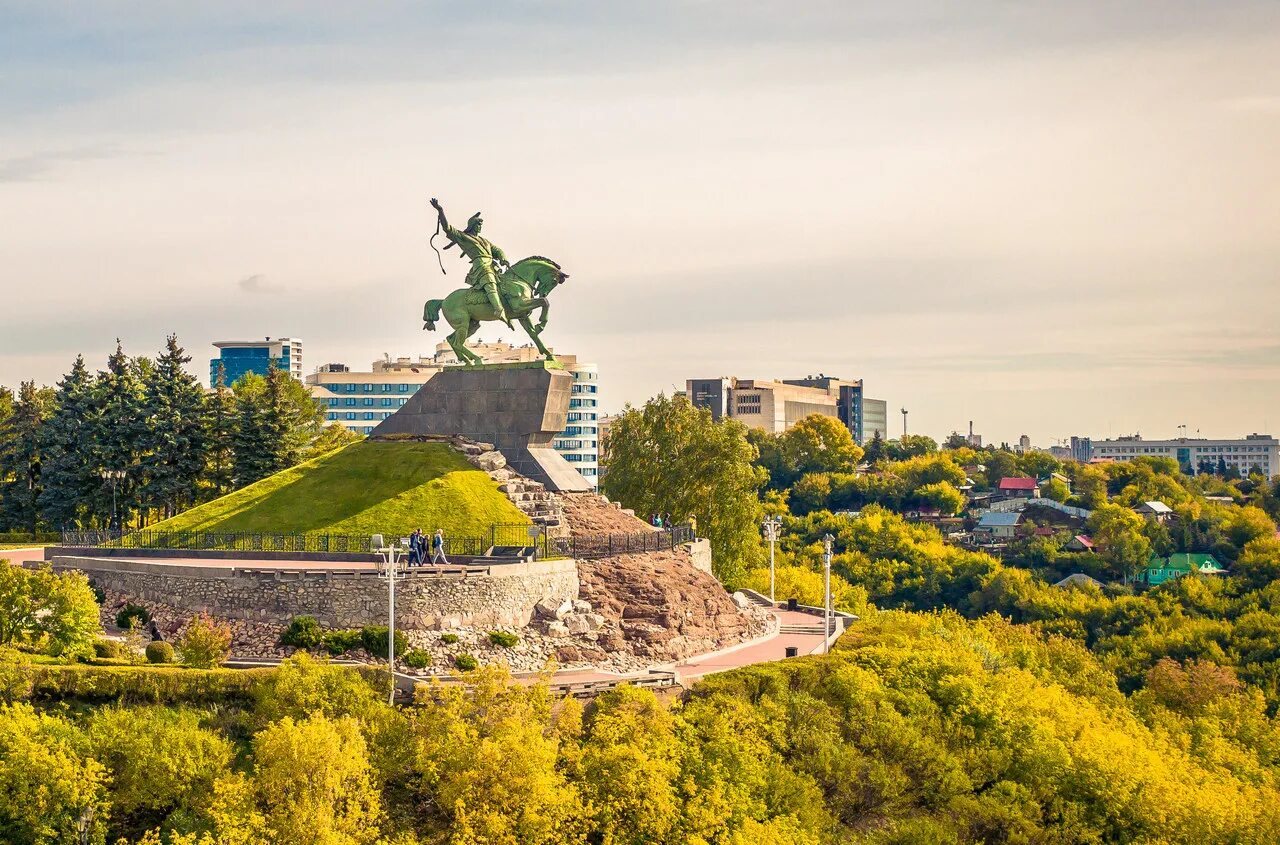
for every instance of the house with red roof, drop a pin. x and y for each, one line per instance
(1018, 488)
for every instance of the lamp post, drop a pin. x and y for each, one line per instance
(113, 476)
(390, 569)
(771, 526)
(826, 590)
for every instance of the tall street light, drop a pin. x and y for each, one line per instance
(771, 526)
(826, 589)
(391, 569)
(113, 476)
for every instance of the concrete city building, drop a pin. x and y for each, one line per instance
(362, 400)
(1256, 451)
(775, 406)
(238, 357)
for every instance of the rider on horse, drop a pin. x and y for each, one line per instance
(483, 255)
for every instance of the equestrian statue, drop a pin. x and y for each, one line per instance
(496, 289)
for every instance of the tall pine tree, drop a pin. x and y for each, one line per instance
(20, 457)
(254, 448)
(219, 437)
(120, 433)
(69, 473)
(173, 442)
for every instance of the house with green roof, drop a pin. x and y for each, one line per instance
(1161, 569)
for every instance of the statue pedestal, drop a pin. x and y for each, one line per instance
(519, 408)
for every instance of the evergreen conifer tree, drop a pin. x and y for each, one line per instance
(173, 443)
(69, 473)
(219, 436)
(254, 451)
(120, 434)
(20, 468)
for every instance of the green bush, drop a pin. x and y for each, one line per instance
(342, 641)
(205, 643)
(374, 640)
(130, 612)
(135, 684)
(466, 663)
(448, 639)
(159, 651)
(417, 659)
(109, 650)
(303, 632)
(505, 639)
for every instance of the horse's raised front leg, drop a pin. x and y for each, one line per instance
(535, 336)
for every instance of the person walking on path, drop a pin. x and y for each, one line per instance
(437, 547)
(415, 547)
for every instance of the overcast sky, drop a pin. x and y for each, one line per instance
(1051, 218)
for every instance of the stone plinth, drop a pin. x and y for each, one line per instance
(519, 408)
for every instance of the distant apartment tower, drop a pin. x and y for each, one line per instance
(1256, 451)
(775, 406)
(1081, 449)
(256, 356)
(361, 400)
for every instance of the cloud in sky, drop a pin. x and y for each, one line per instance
(1053, 218)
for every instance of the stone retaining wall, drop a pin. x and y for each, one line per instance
(499, 595)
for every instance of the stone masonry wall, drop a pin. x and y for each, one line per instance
(505, 595)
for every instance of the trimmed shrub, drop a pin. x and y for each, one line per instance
(504, 639)
(341, 641)
(130, 612)
(109, 650)
(448, 639)
(140, 684)
(466, 663)
(303, 632)
(159, 651)
(205, 643)
(417, 659)
(374, 640)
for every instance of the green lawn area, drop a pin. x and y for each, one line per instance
(365, 488)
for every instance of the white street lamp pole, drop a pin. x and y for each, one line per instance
(771, 526)
(826, 598)
(390, 569)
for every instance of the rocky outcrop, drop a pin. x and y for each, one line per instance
(591, 513)
(657, 605)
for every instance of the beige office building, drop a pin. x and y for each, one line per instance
(775, 406)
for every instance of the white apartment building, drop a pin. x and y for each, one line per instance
(1256, 451)
(361, 400)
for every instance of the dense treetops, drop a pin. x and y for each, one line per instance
(168, 442)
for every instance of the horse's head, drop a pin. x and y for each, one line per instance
(542, 274)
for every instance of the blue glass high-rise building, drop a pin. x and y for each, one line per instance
(256, 356)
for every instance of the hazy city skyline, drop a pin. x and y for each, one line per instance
(1051, 219)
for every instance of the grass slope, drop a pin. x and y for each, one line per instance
(364, 488)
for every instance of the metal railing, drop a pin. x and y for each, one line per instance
(531, 540)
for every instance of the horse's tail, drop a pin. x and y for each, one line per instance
(431, 313)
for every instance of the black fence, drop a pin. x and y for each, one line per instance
(527, 540)
(607, 545)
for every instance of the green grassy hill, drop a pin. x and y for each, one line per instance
(364, 488)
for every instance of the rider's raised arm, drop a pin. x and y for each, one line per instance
(450, 232)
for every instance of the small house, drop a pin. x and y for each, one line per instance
(997, 525)
(1018, 488)
(1079, 543)
(1161, 569)
(1158, 511)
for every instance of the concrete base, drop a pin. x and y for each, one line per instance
(519, 408)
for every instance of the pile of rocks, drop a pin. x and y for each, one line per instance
(569, 619)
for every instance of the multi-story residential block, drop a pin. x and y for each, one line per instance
(775, 406)
(1256, 452)
(256, 356)
(361, 400)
